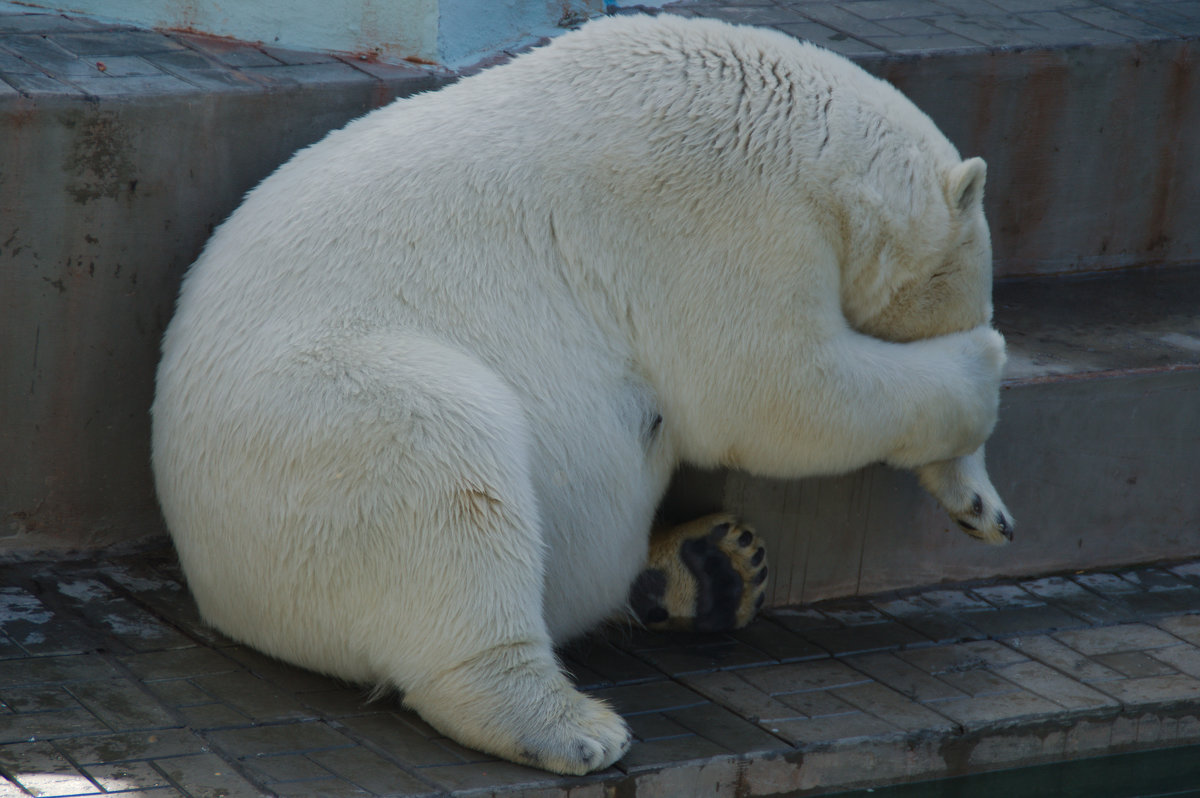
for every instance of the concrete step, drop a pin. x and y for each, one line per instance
(124, 147)
(1097, 454)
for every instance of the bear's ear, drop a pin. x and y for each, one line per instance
(964, 184)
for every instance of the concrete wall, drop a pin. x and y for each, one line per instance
(102, 208)
(1092, 151)
(450, 32)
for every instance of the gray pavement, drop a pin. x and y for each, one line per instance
(110, 683)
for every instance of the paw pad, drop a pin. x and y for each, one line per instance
(709, 575)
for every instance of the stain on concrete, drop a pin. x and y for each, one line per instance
(1180, 90)
(100, 160)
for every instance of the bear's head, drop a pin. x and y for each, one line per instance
(925, 266)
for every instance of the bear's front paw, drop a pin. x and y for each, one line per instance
(964, 490)
(708, 575)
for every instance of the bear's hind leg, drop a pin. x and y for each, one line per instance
(709, 575)
(452, 567)
(513, 701)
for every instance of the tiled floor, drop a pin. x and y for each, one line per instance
(110, 683)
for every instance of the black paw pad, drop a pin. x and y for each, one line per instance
(718, 584)
(647, 596)
(745, 539)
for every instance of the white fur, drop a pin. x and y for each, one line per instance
(403, 431)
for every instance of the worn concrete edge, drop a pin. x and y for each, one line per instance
(904, 757)
(1106, 374)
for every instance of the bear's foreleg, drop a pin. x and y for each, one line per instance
(964, 490)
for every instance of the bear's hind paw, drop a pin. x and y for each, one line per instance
(708, 575)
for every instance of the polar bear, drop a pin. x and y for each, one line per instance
(424, 389)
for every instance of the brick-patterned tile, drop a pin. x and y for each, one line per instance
(284, 768)
(778, 642)
(721, 725)
(898, 710)
(1114, 639)
(1065, 659)
(932, 623)
(904, 677)
(1135, 664)
(990, 710)
(369, 771)
(649, 697)
(702, 657)
(1185, 627)
(866, 638)
(207, 717)
(1153, 690)
(1049, 683)
(655, 726)
(1078, 600)
(733, 692)
(122, 776)
(795, 677)
(178, 664)
(606, 662)
(1184, 658)
(49, 725)
(121, 705)
(490, 775)
(207, 774)
(421, 747)
(831, 729)
(279, 739)
(255, 697)
(817, 703)
(40, 769)
(106, 748)
(656, 753)
(319, 788)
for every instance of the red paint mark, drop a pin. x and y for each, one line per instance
(1179, 91)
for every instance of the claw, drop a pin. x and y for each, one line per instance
(1005, 529)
